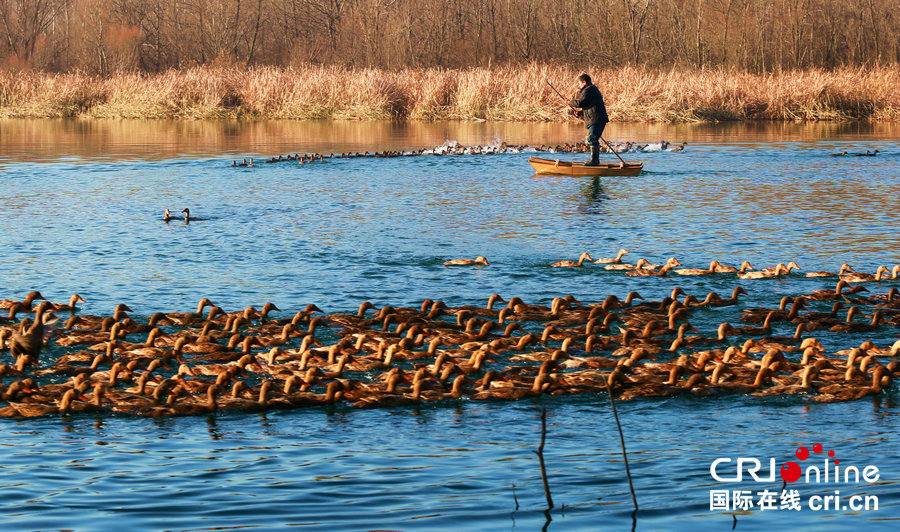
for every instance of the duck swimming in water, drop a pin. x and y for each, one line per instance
(569, 263)
(74, 300)
(828, 295)
(723, 268)
(617, 260)
(713, 268)
(26, 303)
(641, 263)
(850, 393)
(30, 341)
(779, 270)
(844, 269)
(861, 277)
(790, 266)
(467, 262)
(187, 215)
(671, 263)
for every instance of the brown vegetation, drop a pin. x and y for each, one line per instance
(498, 93)
(660, 60)
(106, 36)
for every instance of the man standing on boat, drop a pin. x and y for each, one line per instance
(589, 103)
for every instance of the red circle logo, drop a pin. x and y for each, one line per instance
(790, 472)
(802, 453)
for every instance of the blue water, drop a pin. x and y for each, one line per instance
(345, 231)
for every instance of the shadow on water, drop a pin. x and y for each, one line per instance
(593, 192)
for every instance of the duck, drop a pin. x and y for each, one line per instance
(71, 307)
(867, 154)
(191, 406)
(640, 264)
(150, 341)
(805, 385)
(612, 302)
(80, 337)
(722, 332)
(839, 154)
(188, 217)
(287, 332)
(190, 318)
(779, 270)
(763, 376)
(758, 314)
(852, 393)
(654, 386)
(87, 321)
(671, 263)
(485, 311)
(235, 402)
(480, 260)
(569, 263)
(861, 277)
(889, 300)
(849, 326)
(167, 216)
(25, 410)
(26, 303)
(510, 391)
(844, 269)
(724, 268)
(30, 341)
(749, 330)
(389, 397)
(14, 309)
(818, 319)
(715, 300)
(830, 295)
(788, 343)
(617, 260)
(698, 271)
(334, 392)
(895, 272)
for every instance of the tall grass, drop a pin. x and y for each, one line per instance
(500, 93)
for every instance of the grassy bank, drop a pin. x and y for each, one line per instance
(632, 94)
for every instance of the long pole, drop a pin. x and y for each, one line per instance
(610, 148)
(622, 441)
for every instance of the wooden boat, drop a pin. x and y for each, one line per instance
(577, 169)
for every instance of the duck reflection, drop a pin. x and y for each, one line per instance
(215, 433)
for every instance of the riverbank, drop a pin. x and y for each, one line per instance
(503, 93)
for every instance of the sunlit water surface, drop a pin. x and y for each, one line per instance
(82, 205)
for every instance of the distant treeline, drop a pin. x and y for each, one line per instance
(104, 37)
(495, 93)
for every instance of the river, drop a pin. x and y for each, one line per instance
(83, 203)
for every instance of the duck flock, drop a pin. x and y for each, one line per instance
(182, 363)
(455, 148)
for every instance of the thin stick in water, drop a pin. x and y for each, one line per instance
(514, 496)
(622, 440)
(540, 453)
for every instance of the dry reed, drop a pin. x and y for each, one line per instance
(500, 93)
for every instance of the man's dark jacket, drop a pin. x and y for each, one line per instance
(591, 102)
